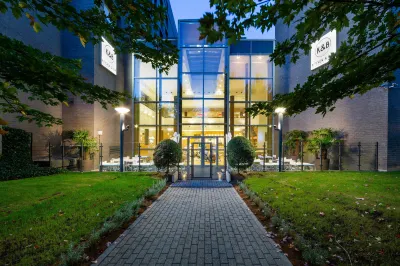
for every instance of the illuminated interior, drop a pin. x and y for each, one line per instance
(204, 97)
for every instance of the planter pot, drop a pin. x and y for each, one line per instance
(325, 164)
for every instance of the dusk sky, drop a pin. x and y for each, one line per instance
(193, 9)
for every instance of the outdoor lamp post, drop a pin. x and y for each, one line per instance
(100, 133)
(122, 111)
(280, 111)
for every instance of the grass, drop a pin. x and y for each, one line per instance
(40, 217)
(341, 216)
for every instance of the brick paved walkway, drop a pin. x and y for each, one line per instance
(195, 226)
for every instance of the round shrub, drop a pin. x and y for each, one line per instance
(240, 153)
(167, 154)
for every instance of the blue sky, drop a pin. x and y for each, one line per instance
(193, 9)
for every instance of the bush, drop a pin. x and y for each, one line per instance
(240, 153)
(16, 160)
(167, 154)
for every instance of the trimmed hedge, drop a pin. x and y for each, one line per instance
(16, 160)
(167, 154)
(240, 153)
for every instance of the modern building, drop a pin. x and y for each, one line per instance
(370, 118)
(203, 98)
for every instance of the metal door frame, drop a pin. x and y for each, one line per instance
(189, 158)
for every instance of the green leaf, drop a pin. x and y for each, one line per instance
(36, 27)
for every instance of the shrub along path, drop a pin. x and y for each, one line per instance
(40, 217)
(195, 226)
(355, 211)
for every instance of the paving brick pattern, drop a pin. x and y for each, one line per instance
(195, 226)
(202, 184)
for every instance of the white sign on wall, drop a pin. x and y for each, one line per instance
(108, 57)
(322, 49)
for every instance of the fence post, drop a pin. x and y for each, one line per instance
(264, 159)
(81, 166)
(283, 158)
(50, 154)
(62, 154)
(302, 154)
(320, 156)
(340, 155)
(359, 156)
(377, 156)
(31, 146)
(139, 155)
(101, 157)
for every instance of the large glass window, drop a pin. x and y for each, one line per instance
(192, 60)
(239, 66)
(238, 89)
(261, 90)
(154, 106)
(169, 90)
(261, 66)
(214, 86)
(145, 89)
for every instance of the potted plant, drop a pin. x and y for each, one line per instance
(168, 154)
(319, 142)
(240, 153)
(90, 146)
(292, 142)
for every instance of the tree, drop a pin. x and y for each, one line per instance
(167, 154)
(50, 79)
(240, 153)
(365, 60)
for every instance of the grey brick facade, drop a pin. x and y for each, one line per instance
(369, 118)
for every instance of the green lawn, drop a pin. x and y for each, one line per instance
(360, 210)
(40, 217)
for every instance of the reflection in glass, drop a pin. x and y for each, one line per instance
(237, 115)
(261, 90)
(214, 86)
(145, 89)
(261, 66)
(239, 66)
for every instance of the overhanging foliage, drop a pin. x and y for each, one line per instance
(366, 59)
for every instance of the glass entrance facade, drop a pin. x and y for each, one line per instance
(205, 95)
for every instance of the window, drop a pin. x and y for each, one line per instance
(261, 66)
(239, 66)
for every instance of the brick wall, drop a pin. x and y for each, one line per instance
(48, 40)
(364, 118)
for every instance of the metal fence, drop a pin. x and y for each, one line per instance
(354, 156)
(358, 156)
